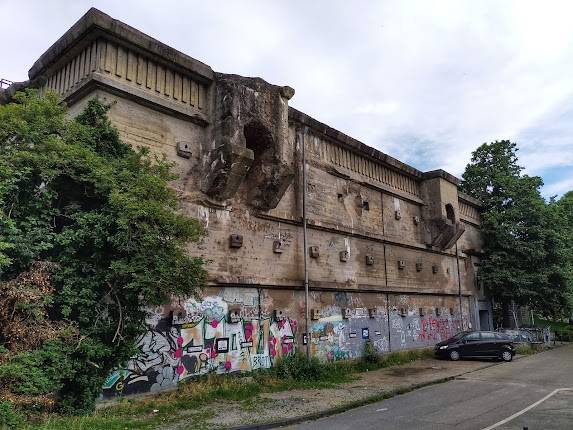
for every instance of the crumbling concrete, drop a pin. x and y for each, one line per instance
(250, 141)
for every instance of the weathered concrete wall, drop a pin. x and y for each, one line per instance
(382, 235)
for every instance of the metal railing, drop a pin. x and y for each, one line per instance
(531, 335)
(5, 83)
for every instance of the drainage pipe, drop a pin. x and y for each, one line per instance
(459, 286)
(305, 248)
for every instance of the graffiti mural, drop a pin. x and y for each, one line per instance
(202, 337)
(410, 330)
(334, 337)
(251, 343)
(241, 330)
(155, 366)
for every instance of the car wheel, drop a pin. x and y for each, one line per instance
(454, 355)
(506, 356)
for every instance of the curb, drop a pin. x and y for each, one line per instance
(358, 403)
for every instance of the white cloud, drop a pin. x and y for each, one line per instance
(558, 188)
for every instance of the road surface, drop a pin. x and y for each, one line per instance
(534, 392)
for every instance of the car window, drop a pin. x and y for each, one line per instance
(501, 336)
(472, 337)
(487, 335)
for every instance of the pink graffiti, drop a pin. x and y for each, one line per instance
(249, 331)
(214, 323)
(435, 329)
(228, 365)
(287, 348)
(272, 348)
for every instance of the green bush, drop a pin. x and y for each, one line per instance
(370, 355)
(40, 371)
(565, 335)
(73, 194)
(9, 418)
(299, 368)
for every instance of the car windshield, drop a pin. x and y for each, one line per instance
(457, 336)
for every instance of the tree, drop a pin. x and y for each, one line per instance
(90, 237)
(563, 225)
(523, 249)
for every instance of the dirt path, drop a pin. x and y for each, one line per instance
(273, 407)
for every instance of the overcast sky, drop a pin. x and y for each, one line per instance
(424, 81)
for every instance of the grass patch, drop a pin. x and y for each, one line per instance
(526, 349)
(372, 360)
(292, 372)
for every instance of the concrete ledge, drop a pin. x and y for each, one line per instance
(439, 173)
(96, 20)
(351, 143)
(98, 80)
(466, 198)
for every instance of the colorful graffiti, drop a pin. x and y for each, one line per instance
(212, 342)
(414, 331)
(154, 368)
(236, 331)
(210, 336)
(336, 338)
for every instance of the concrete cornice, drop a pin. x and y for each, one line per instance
(296, 116)
(442, 174)
(470, 200)
(95, 23)
(353, 144)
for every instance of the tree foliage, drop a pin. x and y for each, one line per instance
(524, 245)
(562, 211)
(90, 237)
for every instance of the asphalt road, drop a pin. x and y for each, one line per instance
(488, 398)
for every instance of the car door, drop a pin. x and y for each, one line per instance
(488, 345)
(470, 345)
(502, 342)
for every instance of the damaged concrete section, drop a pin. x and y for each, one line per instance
(445, 233)
(250, 141)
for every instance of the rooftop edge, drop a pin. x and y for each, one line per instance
(96, 19)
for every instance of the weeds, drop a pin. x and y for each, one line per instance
(9, 418)
(529, 349)
(299, 368)
(372, 360)
(292, 372)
